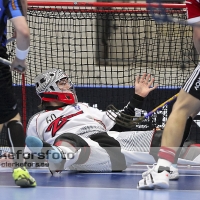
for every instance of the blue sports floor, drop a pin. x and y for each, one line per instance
(101, 186)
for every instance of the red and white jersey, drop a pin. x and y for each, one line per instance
(79, 119)
(193, 10)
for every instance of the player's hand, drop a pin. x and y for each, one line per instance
(143, 85)
(19, 65)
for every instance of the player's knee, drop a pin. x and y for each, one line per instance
(15, 125)
(74, 142)
(183, 110)
(16, 118)
(186, 103)
(71, 139)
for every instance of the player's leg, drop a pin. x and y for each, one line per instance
(186, 105)
(155, 146)
(171, 140)
(66, 148)
(76, 153)
(45, 151)
(9, 115)
(66, 151)
(185, 137)
(135, 146)
(16, 140)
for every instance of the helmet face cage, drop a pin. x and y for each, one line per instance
(46, 84)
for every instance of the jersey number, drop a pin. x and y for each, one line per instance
(58, 123)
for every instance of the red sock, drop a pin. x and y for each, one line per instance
(167, 154)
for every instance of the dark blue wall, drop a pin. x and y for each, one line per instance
(119, 97)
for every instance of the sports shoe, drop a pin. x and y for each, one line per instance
(23, 178)
(155, 179)
(174, 174)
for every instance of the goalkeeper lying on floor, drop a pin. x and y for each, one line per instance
(74, 136)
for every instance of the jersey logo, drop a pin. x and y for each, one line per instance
(58, 123)
(77, 107)
(13, 5)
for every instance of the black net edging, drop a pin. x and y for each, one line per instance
(103, 48)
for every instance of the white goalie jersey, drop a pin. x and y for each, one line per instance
(84, 121)
(79, 119)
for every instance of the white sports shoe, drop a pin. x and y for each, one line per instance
(174, 174)
(155, 179)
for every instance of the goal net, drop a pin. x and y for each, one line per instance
(102, 47)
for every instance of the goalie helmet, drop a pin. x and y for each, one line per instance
(47, 89)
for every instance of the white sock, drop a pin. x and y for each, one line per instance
(162, 162)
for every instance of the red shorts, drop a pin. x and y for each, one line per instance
(193, 10)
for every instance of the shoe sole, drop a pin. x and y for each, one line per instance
(160, 185)
(171, 176)
(146, 187)
(24, 183)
